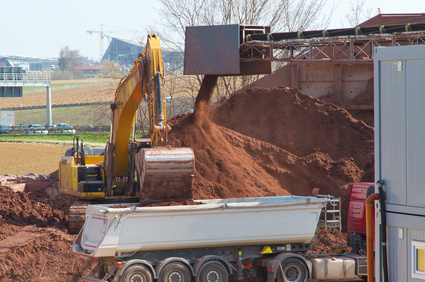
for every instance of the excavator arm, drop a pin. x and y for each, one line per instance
(143, 82)
(163, 173)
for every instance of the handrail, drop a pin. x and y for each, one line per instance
(29, 76)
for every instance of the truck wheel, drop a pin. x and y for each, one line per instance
(293, 270)
(212, 271)
(175, 272)
(137, 273)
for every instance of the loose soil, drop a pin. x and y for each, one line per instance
(258, 142)
(276, 142)
(34, 244)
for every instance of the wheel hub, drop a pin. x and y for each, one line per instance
(292, 273)
(175, 277)
(136, 278)
(213, 276)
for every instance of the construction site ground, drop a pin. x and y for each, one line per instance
(257, 142)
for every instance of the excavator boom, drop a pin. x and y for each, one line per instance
(141, 83)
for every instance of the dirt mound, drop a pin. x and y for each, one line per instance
(229, 164)
(30, 249)
(222, 170)
(330, 242)
(21, 209)
(276, 142)
(41, 254)
(300, 124)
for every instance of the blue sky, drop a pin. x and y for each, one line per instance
(41, 28)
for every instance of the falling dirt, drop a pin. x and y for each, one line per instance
(203, 99)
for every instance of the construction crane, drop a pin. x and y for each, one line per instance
(102, 36)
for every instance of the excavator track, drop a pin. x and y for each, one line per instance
(77, 216)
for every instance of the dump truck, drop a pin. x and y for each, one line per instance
(209, 240)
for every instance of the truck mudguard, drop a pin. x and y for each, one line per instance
(274, 264)
(160, 266)
(204, 259)
(138, 261)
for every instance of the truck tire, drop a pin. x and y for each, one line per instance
(294, 270)
(137, 273)
(212, 271)
(175, 272)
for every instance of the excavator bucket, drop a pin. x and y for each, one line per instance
(165, 173)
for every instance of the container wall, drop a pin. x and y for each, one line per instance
(415, 119)
(392, 130)
(400, 158)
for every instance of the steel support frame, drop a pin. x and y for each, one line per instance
(350, 48)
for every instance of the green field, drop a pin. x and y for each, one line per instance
(87, 137)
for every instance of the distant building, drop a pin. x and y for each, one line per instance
(87, 70)
(124, 53)
(121, 51)
(29, 63)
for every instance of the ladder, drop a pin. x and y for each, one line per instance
(331, 218)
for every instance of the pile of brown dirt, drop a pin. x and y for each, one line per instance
(276, 142)
(223, 169)
(34, 244)
(41, 254)
(298, 123)
(22, 209)
(330, 242)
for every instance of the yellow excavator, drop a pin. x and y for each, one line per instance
(129, 168)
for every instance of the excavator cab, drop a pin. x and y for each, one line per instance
(80, 170)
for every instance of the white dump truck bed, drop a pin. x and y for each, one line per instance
(213, 223)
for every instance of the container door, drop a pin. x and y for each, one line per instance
(415, 114)
(390, 130)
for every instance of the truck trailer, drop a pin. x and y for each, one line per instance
(209, 240)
